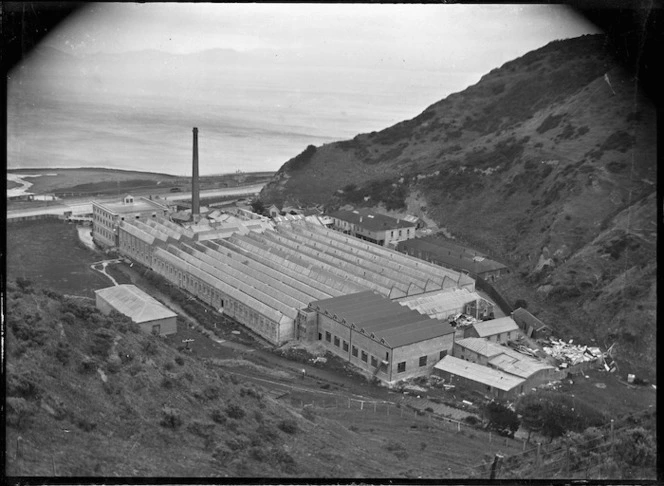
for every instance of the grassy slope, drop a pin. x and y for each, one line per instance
(92, 394)
(476, 158)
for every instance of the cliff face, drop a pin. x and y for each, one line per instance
(548, 163)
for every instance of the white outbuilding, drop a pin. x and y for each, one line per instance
(150, 315)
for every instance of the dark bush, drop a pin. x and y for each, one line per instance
(87, 366)
(550, 122)
(211, 392)
(170, 418)
(201, 429)
(84, 424)
(616, 167)
(19, 412)
(288, 425)
(62, 353)
(235, 411)
(102, 341)
(150, 347)
(218, 416)
(179, 360)
(620, 141)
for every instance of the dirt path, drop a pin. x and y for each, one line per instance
(315, 376)
(95, 266)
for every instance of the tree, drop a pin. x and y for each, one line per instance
(502, 419)
(257, 206)
(553, 413)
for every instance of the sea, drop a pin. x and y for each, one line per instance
(249, 119)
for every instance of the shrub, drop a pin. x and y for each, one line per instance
(87, 366)
(85, 424)
(211, 392)
(288, 425)
(201, 429)
(102, 341)
(135, 369)
(237, 444)
(222, 453)
(170, 418)
(218, 416)
(258, 416)
(19, 412)
(63, 353)
(113, 366)
(637, 447)
(150, 347)
(167, 382)
(235, 411)
(550, 122)
(179, 360)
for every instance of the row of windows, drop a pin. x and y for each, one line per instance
(341, 343)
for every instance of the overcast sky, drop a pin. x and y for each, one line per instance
(449, 37)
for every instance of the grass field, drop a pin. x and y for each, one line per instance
(50, 253)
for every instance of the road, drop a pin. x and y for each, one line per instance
(81, 206)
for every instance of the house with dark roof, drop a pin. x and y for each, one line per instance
(379, 336)
(374, 227)
(529, 324)
(442, 252)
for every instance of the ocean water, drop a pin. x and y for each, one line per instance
(249, 119)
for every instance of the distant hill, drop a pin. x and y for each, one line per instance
(548, 163)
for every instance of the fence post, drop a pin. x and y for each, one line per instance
(524, 445)
(361, 404)
(539, 450)
(490, 440)
(612, 438)
(458, 426)
(348, 402)
(374, 407)
(388, 409)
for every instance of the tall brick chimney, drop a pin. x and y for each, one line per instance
(195, 203)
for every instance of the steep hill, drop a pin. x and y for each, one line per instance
(548, 163)
(90, 395)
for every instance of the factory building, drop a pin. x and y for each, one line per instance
(149, 314)
(389, 341)
(264, 276)
(443, 252)
(370, 226)
(107, 217)
(449, 302)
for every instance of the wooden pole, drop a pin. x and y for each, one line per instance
(494, 466)
(489, 437)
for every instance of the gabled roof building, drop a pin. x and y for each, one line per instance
(374, 227)
(150, 315)
(379, 336)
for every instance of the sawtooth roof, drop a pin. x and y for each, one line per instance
(134, 303)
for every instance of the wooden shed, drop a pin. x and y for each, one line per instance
(150, 315)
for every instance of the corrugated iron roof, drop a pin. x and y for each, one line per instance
(481, 374)
(524, 318)
(370, 220)
(134, 303)
(481, 346)
(495, 326)
(385, 319)
(517, 364)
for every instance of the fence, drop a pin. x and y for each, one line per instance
(394, 411)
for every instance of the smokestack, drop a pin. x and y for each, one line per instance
(195, 204)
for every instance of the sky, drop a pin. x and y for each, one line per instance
(271, 80)
(451, 37)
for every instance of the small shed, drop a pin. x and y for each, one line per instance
(148, 313)
(499, 330)
(482, 379)
(529, 324)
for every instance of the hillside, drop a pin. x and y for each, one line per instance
(89, 395)
(548, 164)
